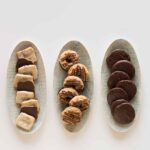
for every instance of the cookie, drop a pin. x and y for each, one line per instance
(124, 113)
(25, 121)
(115, 103)
(30, 70)
(74, 82)
(68, 58)
(23, 96)
(126, 66)
(26, 86)
(115, 94)
(71, 115)
(80, 71)
(129, 86)
(30, 110)
(22, 78)
(28, 54)
(80, 101)
(115, 56)
(31, 103)
(22, 62)
(115, 77)
(66, 94)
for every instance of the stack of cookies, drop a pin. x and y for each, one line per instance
(24, 84)
(74, 104)
(122, 88)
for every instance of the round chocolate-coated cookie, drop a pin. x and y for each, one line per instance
(115, 94)
(124, 113)
(115, 103)
(124, 65)
(115, 77)
(115, 56)
(129, 86)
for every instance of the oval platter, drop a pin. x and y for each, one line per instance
(105, 73)
(40, 85)
(60, 74)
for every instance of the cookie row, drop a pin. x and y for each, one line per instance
(122, 88)
(70, 95)
(24, 84)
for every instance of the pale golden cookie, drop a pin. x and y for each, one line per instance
(25, 121)
(31, 103)
(22, 78)
(28, 53)
(23, 96)
(29, 70)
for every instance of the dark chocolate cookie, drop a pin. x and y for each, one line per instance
(115, 56)
(32, 111)
(115, 77)
(22, 62)
(115, 94)
(26, 86)
(129, 86)
(115, 103)
(124, 65)
(124, 113)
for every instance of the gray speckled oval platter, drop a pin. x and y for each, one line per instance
(105, 73)
(40, 86)
(60, 74)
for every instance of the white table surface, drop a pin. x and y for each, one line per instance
(96, 23)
